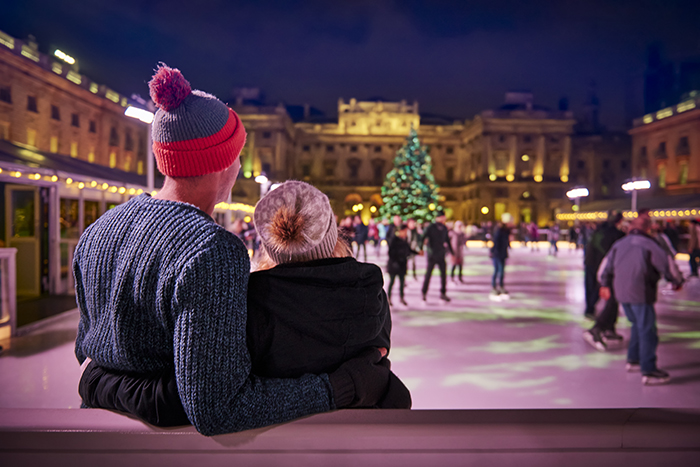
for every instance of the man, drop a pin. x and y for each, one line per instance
(602, 334)
(437, 238)
(499, 254)
(632, 270)
(396, 224)
(162, 289)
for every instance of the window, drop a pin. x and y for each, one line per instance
(112, 159)
(623, 164)
(354, 167)
(683, 175)
(74, 149)
(683, 148)
(53, 144)
(93, 127)
(329, 168)
(606, 164)
(378, 168)
(266, 135)
(129, 141)
(91, 155)
(113, 137)
(662, 176)
(449, 150)
(4, 130)
(75, 120)
(329, 148)
(306, 170)
(267, 169)
(306, 148)
(661, 151)
(353, 148)
(55, 113)
(527, 139)
(31, 104)
(377, 149)
(450, 174)
(580, 165)
(501, 138)
(31, 137)
(554, 140)
(5, 95)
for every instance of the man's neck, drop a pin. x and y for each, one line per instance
(186, 192)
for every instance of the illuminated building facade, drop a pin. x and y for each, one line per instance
(514, 159)
(666, 148)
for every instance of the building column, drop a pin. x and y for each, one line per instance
(54, 241)
(538, 168)
(512, 156)
(564, 170)
(488, 163)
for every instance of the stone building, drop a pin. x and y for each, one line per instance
(45, 103)
(666, 148)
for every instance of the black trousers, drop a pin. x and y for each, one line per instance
(402, 282)
(432, 262)
(592, 289)
(607, 318)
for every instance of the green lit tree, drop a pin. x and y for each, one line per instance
(409, 189)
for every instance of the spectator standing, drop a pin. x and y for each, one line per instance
(399, 252)
(553, 237)
(438, 242)
(499, 254)
(534, 237)
(632, 269)
(414, 240)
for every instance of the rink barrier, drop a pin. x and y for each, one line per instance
(69, 437)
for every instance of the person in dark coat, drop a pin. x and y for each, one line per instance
(361, 236)
(399, 252)
(437, 239)
(603, 331)
(499, 254)
(311, 306)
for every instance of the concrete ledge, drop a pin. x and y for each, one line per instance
(369, 437)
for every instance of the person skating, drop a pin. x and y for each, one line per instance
(438, 243)
(632, 269)
(399, 252)
(458, 241)
(361, 236)
(499, 254)
(413, 238)
(603, 332)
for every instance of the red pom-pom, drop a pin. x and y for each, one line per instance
(168, 88)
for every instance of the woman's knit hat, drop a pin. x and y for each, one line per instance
(194, 133)
(296, 223)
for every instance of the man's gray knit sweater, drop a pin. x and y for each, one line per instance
(160, 284)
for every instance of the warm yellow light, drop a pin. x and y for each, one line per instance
(687, 213)
(668, 213)
(37, 176)
(69, 181)
(246, 219)
(247, 174)
(139, 191)
(122, 190)
(693, 212)
(510, 177)
(564, 178)
(65, 57)
(373, 209)
(54, 178)
(431, 206)
(673, 213)
(538, 178)
(360, 207)
(81, 185)
(105, 186)
(492, 177)
(154, 192)
(132, 191)
(574, 208)
(113, 189)
(93, 184)
(484, 210)
(525, 158)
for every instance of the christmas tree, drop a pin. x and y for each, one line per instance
(410, 189)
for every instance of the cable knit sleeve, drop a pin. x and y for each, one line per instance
(212, 362)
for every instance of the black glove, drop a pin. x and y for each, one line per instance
(361, 381)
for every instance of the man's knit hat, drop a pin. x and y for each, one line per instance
(296, 223)
(194, 133)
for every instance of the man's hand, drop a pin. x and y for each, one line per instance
(605, 293)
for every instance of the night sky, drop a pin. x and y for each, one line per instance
(455, 57)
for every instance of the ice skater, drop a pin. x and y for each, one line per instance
(399, 252)
(499, 254)
(438, 241)
(458, 239)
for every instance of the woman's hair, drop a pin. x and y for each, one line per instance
(341, 250)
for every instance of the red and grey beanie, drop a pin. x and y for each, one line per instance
(194, 133)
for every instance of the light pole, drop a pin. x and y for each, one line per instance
(264, 183)
(634, 186)
(146, 117)
(576, 194)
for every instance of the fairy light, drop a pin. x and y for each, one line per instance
(81, 185)
(54, 178)
(122, 190)
(105, 186)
